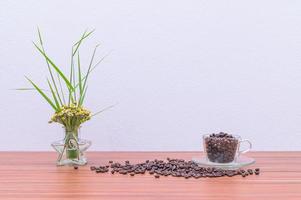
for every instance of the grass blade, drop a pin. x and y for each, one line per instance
(74, 93)
(79, 77)
(82, 98)
(54, 96)
(55, 67)
(40, 37)
(99, 62)
(70, 98)
(90, 65)
(72, 78)
(77, 85)
(42, 94)
(49, 69)
(61, 88)
(107, 108)
(26, 89)
(84, 36)
(78, 43)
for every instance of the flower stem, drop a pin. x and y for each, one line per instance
(71, 143)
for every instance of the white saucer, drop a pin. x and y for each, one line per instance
(240, 162)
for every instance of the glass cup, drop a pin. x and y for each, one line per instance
(224, 148)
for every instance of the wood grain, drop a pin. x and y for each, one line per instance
(33, 175)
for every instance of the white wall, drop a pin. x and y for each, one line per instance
(178, 69)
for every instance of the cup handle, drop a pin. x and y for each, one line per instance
(246, 150)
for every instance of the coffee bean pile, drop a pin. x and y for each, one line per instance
(221, 147)
(171, 167)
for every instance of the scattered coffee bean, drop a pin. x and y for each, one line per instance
(171, 167)
(257, 172)
(75, 167)
(123, 172)
(250, 171)
(230, 174)
(110, 161)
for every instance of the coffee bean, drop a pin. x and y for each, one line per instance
(157, 176)
(110, 161)
(123, 172)
(230, 174)
(209, 170)
(257, 172)
(75, 167)
(132, 174)
(257, 169)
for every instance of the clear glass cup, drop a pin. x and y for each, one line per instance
(224, 149)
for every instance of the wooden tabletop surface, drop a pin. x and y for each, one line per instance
(33, 175)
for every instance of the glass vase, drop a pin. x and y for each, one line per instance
(72, 148)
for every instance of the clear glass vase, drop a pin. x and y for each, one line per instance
(72, 148)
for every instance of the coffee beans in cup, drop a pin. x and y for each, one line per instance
(221, 147)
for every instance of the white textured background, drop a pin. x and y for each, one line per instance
(178, 69)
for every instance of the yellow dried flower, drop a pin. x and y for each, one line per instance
(71, 116)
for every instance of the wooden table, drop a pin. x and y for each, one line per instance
(33, 175)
